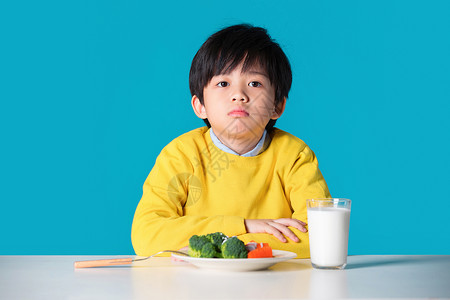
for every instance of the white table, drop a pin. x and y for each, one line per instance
(368, 276)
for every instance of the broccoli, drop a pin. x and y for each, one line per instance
(217, 239)
(234, 248)
(216, 245)
(201, 246)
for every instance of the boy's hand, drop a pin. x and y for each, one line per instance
(276, 227)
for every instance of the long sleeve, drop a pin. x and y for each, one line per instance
(160, 222)
(302, 181)
(195, 188)
(305, 181)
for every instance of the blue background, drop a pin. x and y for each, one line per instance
(91, 91)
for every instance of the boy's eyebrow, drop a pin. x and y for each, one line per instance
(257, 73)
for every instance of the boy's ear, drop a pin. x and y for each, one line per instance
(279, 109)
(199, 108)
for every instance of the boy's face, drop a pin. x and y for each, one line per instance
(238, 105)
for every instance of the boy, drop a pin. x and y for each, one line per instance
(238, 175)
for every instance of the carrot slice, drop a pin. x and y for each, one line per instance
(261, 252)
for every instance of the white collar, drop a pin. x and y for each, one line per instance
(259, 148)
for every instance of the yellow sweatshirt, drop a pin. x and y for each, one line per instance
(196, 188)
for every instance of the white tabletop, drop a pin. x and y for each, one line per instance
(369, 276)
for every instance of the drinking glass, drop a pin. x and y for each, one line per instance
(328, 226)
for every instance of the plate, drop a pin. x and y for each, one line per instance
(238, 264)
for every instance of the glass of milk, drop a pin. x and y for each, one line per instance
(328, 224)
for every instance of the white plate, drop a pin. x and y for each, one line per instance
(238, 264)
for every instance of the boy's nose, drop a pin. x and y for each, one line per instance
(239, 96)
(243, 99)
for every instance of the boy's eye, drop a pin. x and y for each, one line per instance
(255, 84)
(223, 84)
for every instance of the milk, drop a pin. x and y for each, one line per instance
(328, 236)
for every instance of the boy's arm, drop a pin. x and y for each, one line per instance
(304, 181)
(159, 222)
(160, 225)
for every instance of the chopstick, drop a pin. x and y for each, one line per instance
(102, 262)
(117, 261)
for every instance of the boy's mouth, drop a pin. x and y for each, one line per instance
(238, 113)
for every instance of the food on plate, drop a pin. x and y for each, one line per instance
(259, 250)
(234, 248)
(218, 245)
(217, 239)
(201, 246)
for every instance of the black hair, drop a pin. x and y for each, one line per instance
(223, 51)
